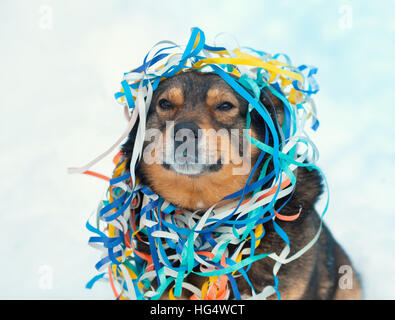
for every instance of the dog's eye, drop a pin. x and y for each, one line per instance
(224, 106)
(165, 104)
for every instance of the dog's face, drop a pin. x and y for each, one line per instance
(196, 151)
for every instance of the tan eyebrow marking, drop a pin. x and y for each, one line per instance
(173, 95)
(216, 96)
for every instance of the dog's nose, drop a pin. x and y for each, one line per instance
(188, 127)
(187, 132)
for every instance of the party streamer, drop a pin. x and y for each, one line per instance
(184, 243)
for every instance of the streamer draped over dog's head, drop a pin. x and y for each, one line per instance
(199, 241)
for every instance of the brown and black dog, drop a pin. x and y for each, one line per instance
(196, 100)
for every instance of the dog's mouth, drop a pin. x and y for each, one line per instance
(193, 169)
(191, 165)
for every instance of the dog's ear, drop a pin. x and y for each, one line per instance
(273, 104)
(275, 107)
(309, 181)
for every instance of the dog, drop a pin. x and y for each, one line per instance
(195, 101)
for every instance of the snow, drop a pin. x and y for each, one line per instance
(57, 110)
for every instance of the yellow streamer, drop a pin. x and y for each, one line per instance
(249, 62)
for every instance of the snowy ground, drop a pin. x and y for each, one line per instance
(63, 60)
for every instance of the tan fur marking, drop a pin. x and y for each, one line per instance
(216, 96)
(176, 96)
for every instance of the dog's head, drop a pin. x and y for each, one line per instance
(196, 150)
